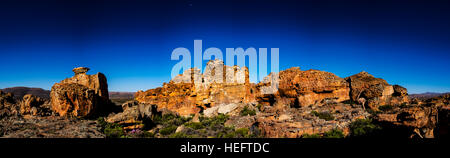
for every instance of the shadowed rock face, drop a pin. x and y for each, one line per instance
(81, 95)
(190, 92)
(375, 91)
(30, 105)
(304, 88)
(96, 82)
(7, 104)
(73, 100)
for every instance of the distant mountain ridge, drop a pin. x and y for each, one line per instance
(426, 95)
(121, 95)
(19, 92)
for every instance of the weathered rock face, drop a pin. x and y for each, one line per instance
(73, 100)
(81, 95)
(133, 112)
(296, 122)
(96, 82)
(7, 104)
(190, 92)
(375, 91)
(6, 98)
(304, 88)
(420, 120)
(30, 105)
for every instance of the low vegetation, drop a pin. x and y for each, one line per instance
(168, 130)
(363, 127)
(247, 111)
(334, 133)
(323, 115)
(111, 130)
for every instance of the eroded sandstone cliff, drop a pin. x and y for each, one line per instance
(192, 91)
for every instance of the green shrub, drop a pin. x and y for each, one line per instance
(335, 133)
(194, 125)
(149, 134)
(246, 111)
(111, 130)
(224, 134)
(168, 130)
(180, 135)
(323, 115)
(244, 132)
(311, 136)
(170, 119)
(214, 121)
(363, 127)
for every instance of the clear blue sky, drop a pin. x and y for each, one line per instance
(404, 42)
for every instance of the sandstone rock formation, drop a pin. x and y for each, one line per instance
(304, 88)
(228, 109)
(419, 120)
(81, 95)
(297, 122)
(376, 91)
(191, 92)
(31, 105)
(7, 104)
(96, 82)
(133, 112)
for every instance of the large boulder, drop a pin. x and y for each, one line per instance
(31, 104)
(96, 82)
(133, 111)
(417, 120)
(192, 91)
(80, 96)
(7, 104)
(304, 88)
(73, 100)
(375, 91)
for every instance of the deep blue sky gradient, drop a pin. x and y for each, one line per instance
(404, 42)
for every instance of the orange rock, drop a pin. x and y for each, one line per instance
(190, 92)
(81, 95)
(28, 103)
(306, 88)
(73, 100)
(375, 91)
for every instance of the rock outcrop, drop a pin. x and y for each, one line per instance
(7, 104)
(134, 113)
(304, 88)
(375, 91)
(298, 122)
(81, 95)
(417, 120)
(33, 105)
(192, 91)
